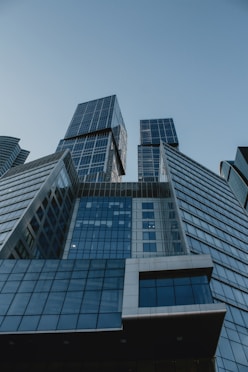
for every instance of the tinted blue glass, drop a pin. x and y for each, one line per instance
(5, 300)
(10, 287)
(184, 295)
(173, 291)
(29, 323)
(54, 303)
(51, 304)
(87, 321)
(102, 223)
(72, 303)
(19, 304)
(202, 294)
(110, 320)
(36, 303)
(26, 286)
(67, 322)
(147, 215)
(91, 302)
(149, 247)
(165, 296)
(48, 322)
(147, 205)
(10, 323)
(111, 301)
(147, 297)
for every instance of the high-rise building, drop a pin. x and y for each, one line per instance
(131, 277)
(97, 139)
(152, 132)
(10, 153)
(214, 223)
(36, 201)
(236, 174)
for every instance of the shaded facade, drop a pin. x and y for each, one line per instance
(36, 201)
(11, 153)
(97, 140)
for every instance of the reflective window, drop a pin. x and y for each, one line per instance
(174, 291)
(61, 294)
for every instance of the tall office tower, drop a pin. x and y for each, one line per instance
(36, 201)
(143, 278)
(97, 140)
(236, 174)
(152, 132)
(214, 223)
(10, 153)
(127, 296)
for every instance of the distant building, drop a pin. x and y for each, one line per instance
(10, 153)
(236, 174)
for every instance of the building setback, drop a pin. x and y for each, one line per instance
(97, 275)
(97, 139)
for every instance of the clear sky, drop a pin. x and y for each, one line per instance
(185, 59)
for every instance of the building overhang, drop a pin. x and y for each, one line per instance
(171, 331)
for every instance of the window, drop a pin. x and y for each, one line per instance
(147, 205)
(171, 291)
(148, 215)
(148, 225)
(149, 247)
(149, 235)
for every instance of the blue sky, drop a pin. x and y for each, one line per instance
(185, 59)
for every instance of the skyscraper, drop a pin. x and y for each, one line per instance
(36, 201)
(214, 223)
(10, 153)
(141, 274)
(152, 132)
(236, 174)
(97, 140)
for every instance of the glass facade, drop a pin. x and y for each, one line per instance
(236, 174)
(100, 275)
(97, 140)
(36, 202)
(152, 132)
(185, 290)
(215, 223)
(60, 295)
(11, 153)
(102, 228)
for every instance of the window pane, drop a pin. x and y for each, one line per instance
(147, 297)
(165, 296)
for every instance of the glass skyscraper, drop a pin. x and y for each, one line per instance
(97, 139)
(11, 153)
(236, 174)
(146, 276)
(152, 132)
